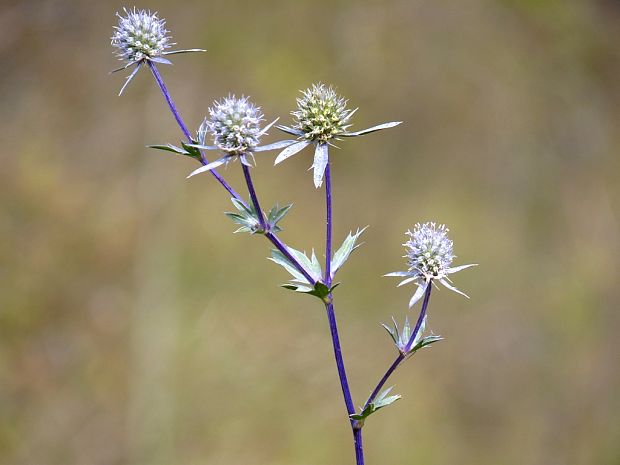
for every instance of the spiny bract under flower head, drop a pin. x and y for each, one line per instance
(140, 35)
(321, 113)
(429, 251)
(235, 125)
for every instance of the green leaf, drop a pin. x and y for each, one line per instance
(187, 150)
(382, 400)
(169, 148)
(280, 259)
(275, 215)
(319, 290)
(192, 151)
(246, 217)
(343, 253)
(425, 341)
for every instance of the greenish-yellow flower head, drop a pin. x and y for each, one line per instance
(321, 113)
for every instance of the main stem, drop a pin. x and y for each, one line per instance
(269, 235)
(401, 356)
(328, 232)
(333, 325)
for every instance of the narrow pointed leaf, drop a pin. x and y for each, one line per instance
(418, 294)
(407, 281)
(452, 288)
(291, 150)
(161, 60)
(289, 130)
(209, 167)
(459, 268)
(321, 158)
(275, 146)
(203, 147)
(130, 77)
(372, 129)
(343, 253)
(399, 273)
(268, 127)
(125, 66)
(277, 257)
(189, 50)
(169, 148)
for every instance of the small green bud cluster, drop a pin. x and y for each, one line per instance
(321, 113)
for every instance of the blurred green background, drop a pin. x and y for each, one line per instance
(135, 329)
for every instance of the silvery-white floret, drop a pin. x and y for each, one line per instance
(429, 257)
(321, 116)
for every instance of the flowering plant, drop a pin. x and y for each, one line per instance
(234, 128)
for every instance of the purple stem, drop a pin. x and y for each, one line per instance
(333, 325)
(328, 235)
(384, 379)
(281, 246)
(272, 237)
(427, 297)
(268, 234)
(177, 116)
(248, 181)
(401, 357)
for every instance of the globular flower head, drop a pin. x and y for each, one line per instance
(429, 250)
(429, 258)
(234, 125)
(321, 113)
(140, 35)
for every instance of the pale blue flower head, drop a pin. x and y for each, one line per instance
(234, 125)
(321, 117)
(429, 257)
(140, 35)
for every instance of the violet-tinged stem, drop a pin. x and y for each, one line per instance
(181, 123)
(248, 181)
(344, 384)
(328, 234)
(333, 325)
(401, 357)
(342, 374)
(418, 325)
(268, 234)
(359, 447)
(281, 246)
(272, 237)
(384, 379)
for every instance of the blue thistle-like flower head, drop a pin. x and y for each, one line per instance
(429, 257)
(429, 250)
(140, 35)
(321, 113)
(234, 125)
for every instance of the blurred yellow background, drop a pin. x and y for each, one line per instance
(135, 329)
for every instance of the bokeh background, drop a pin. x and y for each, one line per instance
(136, 329)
